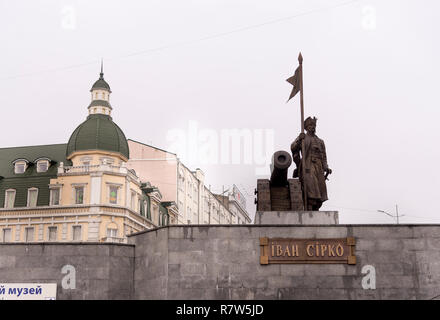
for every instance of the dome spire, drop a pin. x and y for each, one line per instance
(100, 95)
(101, 75)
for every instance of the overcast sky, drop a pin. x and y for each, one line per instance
(371, 77)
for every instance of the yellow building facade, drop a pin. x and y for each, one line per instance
(82, 191)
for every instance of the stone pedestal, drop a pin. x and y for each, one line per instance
(297, 217)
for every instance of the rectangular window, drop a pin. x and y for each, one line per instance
(10, 199)
(79, 195)
(42, 166)
(76, 230)
(113, 196)
(86, 165)
(29, 234)
(112, 233)
(55, 196)
(20, 167)
(133, 200)
(140, 207)
(32, 197)
(195, 217)
(6, 236)
(52, 233)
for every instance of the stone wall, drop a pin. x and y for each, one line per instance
(151, 264)
(102, 271)
(222, 262)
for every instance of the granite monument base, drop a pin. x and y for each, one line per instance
(297, 217)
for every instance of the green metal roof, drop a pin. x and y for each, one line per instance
(98, 132)
(55, 152)
(30, 178)
(101, 83)
(100, 103)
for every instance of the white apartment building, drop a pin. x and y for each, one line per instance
(195, 202)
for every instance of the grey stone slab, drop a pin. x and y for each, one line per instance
(365, 244)
(100, 273)
(220, 245)
(389, 244)
(269, 270)
(395, 281)
(390, 268)
(296, 218)
(362, 294)
(376, 257)
(331, 232)
(266, 294)
(397, 294)
(383, 232)
(185, 256)
(121, 251)
(256, 282)
(192, 269)
(433, 243)
(292, 269)
(325, 269)
(414, 244)
(242, 294)
(243, 268)
(179, 245)
(426, 232)
(243, 232)
(7, 262)
(280, 281)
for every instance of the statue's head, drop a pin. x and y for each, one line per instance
(310, 124)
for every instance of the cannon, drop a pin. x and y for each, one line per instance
(279, 193)
(281, 161)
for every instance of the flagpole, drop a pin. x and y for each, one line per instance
(300, 60)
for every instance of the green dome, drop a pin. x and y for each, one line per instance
(98, 132)
(101, 83)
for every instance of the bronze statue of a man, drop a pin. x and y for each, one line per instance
(316, 168)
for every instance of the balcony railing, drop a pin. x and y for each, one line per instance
(72, 170)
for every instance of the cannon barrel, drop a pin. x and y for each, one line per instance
(281, 161)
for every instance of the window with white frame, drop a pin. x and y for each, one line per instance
(76, 233)
(20, 166)
(133, 201)
(139, 205)
(52, 233)
(86, 161)
(79, 194)
(196, 220)
(113, 194)
(32, 197)
(55, 196)
(195, 193)
(9, 198)
(112, 232)
(42, 165)
(155, 213)
(6, 235)
(189, 189)
(29, 234)
(181, 181)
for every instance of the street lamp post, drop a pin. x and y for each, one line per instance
(396, 216)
